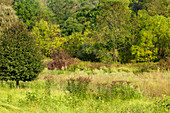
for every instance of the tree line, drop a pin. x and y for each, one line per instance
(96, 30)
(92, 30)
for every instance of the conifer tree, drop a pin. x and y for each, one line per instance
(20, 57)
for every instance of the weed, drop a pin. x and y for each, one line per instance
(163, 103)
(118, 89)
(78, 86)
(32, 97)
(9, 99)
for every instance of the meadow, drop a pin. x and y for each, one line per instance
(100, 56)
(90, 88)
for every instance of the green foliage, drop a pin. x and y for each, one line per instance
(71, 26)
(118, 89)
(146, 51)
(154, 7)
(152, 42)
(96, 30)
(31, 11)
(62, 9)
(74, 41)
(78, 87)
(87, 52)
(7, 17)
(112, 28)
(20, 56)
(48, 36)
(163, 103)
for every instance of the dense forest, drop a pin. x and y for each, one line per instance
(95, 30)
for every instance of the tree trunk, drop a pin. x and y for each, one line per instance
(2, 83)
(17, 83)
(114, 55)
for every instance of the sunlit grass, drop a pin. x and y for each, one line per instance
(48, 93)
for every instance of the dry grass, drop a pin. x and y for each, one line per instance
(152, 84)
(155, 84)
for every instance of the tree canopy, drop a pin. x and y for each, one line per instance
(103, 30)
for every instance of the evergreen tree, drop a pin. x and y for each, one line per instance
(20, 57)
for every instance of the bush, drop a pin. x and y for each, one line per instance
(60, 59)
(87, 53)
(20, 57)
(164, 64)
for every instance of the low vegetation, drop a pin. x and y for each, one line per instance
(116, 88)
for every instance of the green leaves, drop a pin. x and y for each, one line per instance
(31, 11)
(20, 56)
(152, 41)
(48, 36)
(113, 19)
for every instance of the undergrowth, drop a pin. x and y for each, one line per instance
(107, 89)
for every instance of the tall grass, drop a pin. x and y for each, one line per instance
(107, 89)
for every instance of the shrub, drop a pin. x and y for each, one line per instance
(87, 53)
(60, 59)
(164, 64)
(20, 57)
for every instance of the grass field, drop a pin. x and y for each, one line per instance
(114, 89)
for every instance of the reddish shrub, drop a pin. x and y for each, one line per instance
(60, 59)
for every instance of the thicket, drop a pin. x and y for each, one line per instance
(20, 57)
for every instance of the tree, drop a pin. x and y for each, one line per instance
(32, 11)
(74, 41)
(153, 7)
(113, 26)
(62, 9)
(7, 17)
(48, 36)
(71, 25)
(20, 57)
(152, 39)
